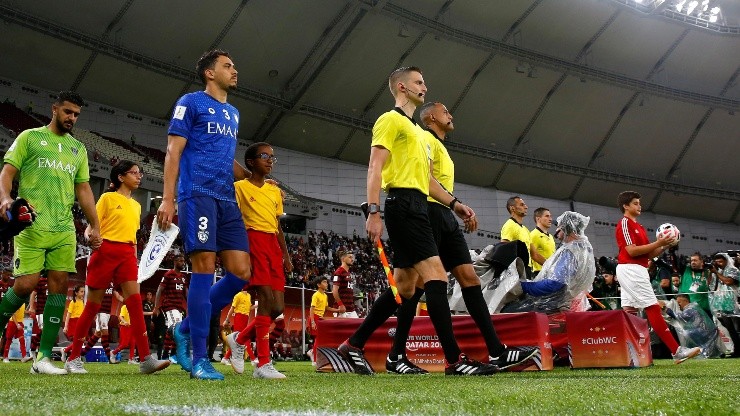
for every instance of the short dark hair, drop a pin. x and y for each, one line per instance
(626, 197)
(120, 168)
(208, 61)
(511, 202)
(540, 212)
(683, 295)
(317, 281)
(398, 73)
(427, 108)
(253, 150)
(70, 96)
(697, 254)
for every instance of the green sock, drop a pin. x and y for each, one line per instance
(53, 313)
(11, 302)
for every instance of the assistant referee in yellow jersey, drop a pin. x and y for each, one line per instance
(400, 164)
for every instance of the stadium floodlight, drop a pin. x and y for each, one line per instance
(679, 5)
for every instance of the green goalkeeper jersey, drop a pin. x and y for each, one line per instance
(49, 167)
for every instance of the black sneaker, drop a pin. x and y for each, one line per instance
(468, 367)
(403, 366)
(513, 356)
(355, 357)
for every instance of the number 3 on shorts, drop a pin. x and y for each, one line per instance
(203, 223)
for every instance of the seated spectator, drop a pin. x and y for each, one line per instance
(694, 327)
(566, 276)
(723, 299)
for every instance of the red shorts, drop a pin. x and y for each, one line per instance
(240, 322)
(267, 260)
(112, 262)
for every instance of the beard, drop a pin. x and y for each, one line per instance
(62, 127)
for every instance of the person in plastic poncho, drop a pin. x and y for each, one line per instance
(566, 276)
(694, 327)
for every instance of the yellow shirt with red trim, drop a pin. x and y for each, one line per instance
(443, 168)
(544, 243)
(319, 302)
(260, 206)
(124, 315)
(119, 217)
(75, 308)
(242, 303)
(407, 165)
(18, 315)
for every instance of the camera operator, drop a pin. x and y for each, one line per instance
(660, 277)
(605, 286)
(695, 282)
(724, 297)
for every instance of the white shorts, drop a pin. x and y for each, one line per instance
(637, 291)
(352, 314)
(40, 321)
(101, 321)
(172, 317)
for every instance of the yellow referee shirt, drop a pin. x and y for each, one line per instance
(443, 168)
(242, 303)
(119, 217)
(75, 308)
(260, 207)
(407, 166)
(319, 302)
(544, 243)
(514, 231)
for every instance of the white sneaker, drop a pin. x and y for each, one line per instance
(224, 361)
(26, 359)
(112, 358)
(255, 362)
(237, 353)
(684, 353)
(44, 366)
(152, 364)
(267, 371)
(75, 366)
(6, 361)
(133, 361)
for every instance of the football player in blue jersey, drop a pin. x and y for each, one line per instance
(201, 143)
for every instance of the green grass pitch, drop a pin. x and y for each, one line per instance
(697, 387)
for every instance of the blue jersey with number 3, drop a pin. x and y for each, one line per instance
(211, 128)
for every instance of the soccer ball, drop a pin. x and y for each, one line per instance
(669, 230)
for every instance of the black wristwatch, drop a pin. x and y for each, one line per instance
(373, 209)
(452, 203)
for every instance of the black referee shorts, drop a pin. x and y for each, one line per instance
(451, 244)
(407, 222)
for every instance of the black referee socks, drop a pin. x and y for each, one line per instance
(381, 310)
(405, 315)
(439, 313)
(478, 310)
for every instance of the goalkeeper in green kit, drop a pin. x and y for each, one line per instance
(51, 168)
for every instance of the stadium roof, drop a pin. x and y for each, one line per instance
(566, 99)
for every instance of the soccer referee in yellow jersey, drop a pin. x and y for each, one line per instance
(400, 164)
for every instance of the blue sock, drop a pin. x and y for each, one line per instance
(222, 293)
(185, 325)
(199, 313)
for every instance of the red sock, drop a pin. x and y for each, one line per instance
(83, 326)
(661, 328)
(262, 328)
(245, 336)
(138, 326)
